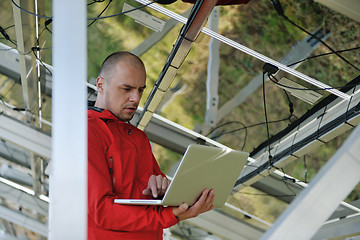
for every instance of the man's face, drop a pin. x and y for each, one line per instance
(122, 90)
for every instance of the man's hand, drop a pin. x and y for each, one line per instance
(157, 186)
(204, 204)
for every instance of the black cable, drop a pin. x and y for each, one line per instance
(333, 124)
(227, 123)
(245, 139)
(280, 11)
(37, 39)
(266, 121)
(269, 69)
(24, 10)
(47, 22)
(9, 27)
(320, 105)
(95, 1)
(285, 179)
(325, 44)
(221, 125)
(12, 108)
(324, 54)
(307, 89)
(121, 13)
(246, 127)
(6, 36)
(34, 49)
(100, 13)
(94, 18)
(291, 105)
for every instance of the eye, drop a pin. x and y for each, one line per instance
(141, 90)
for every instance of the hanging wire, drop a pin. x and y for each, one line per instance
(92, 18)
(6, 36)
(34, 49)
(306, 170)
(246, 127)
(323, 54)
(266, 121)
(227, 123)
(281, 13)
(95, 1)
(276, 81)
(100, 13)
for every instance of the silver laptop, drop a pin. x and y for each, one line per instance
(201, 167)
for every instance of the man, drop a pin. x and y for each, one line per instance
(121, 163)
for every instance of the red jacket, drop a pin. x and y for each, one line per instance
(120, 162)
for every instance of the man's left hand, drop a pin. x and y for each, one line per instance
(157, 186)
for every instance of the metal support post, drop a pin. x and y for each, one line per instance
(68, 173)
(212, 82)
(25, 26)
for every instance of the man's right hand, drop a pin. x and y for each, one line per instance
(204, 204)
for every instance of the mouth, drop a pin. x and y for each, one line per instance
(131, 109)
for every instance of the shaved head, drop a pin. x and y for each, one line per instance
(120, 84)
(109, 64)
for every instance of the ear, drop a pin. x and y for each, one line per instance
(100, 84)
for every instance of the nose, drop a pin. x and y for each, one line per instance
(135, 96)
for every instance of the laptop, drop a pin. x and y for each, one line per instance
(201, 167)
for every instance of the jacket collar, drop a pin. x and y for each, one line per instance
(96, 112)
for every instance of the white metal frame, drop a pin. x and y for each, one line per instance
(317, 202)
(249, 51)
(68, 176)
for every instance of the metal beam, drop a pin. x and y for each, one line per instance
(317, 202)
(171, 135)
(212, 82)
(25, 136)
(4, 236)
(197, 18)
(349, 8)
(250, 52)
(29, 201)
(287, 188)
(177, 138)
(226, 226)
(22, 220)
(25, 36)
(319, 126)
(26, 28)
(9, 228)
(68, 176)
(14, 154)
(10, 65)
(16, 175)
(342, 228)
(155, 37)
(36, 174)
(24, 177)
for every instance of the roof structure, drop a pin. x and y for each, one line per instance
(43, 168)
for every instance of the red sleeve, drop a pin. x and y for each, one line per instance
(102, 211)
(157, 170)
